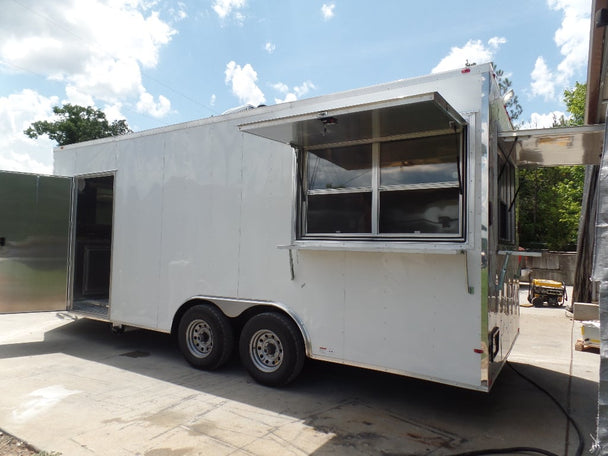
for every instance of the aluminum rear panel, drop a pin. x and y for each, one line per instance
(34, 239)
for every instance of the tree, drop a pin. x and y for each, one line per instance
(76, 124)
(575, 102)
(550, 198)
(513, 107)
(550, 206)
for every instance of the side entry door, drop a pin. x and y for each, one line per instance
(34, 242)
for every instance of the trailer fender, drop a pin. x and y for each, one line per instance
(234, 308)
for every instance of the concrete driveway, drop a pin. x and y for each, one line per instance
(73, 387)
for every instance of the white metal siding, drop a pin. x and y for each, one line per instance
(200, 209)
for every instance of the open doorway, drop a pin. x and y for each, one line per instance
(93, 245)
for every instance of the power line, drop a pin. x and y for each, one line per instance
(10, 64)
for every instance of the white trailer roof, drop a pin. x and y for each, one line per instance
(554, 146)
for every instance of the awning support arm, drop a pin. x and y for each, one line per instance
(514, 197)
(506, 158)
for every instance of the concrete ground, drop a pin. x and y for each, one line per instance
(70, 386)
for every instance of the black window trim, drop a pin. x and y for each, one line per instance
(507, 169)
(376, 188)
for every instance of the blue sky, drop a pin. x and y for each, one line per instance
(161, 62)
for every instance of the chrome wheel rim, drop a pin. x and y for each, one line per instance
(199, 338)
(266, 350)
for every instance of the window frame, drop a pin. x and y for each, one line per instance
(302, 154)
(506, 195)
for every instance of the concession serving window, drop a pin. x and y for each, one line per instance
(381, 172)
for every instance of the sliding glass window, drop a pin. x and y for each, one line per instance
(405, 188)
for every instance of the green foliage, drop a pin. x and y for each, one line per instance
(513, 107)
(575, 102)
(550, 198)
(76, 124)
(550, 206)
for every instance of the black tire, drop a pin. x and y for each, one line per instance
(205, 337)
(272, 349)
(117, 329)
(538, 302)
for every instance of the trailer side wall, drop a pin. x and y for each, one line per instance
(201, 208)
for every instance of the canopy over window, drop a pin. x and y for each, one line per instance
(425, 114)
(554, 146)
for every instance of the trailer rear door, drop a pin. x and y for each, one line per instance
(34, 242)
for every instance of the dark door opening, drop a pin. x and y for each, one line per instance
(93, 244)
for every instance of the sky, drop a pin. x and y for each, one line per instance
(162, 62)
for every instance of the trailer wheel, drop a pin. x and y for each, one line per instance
(205, 337)
(272, 349)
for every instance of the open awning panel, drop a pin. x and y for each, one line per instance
(554, 146)
(404, 116)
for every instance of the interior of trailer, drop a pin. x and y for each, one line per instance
(92, 246)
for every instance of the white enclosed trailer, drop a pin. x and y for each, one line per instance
(373, 228)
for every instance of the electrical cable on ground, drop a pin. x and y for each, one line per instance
(569, 389)
(581, 440)
(507, 451)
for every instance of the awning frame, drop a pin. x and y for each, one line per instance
(555, 146)
(339, 126)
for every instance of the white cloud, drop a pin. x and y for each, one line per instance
(224, 8)
(108, 79)
(327, 10)
(572, 39)
(17, 151)
(281, 87)
(496, 41)
(270, 47)
(288, 97)
(96, 48)
(23, 162)
(212, 99)
(543, 81)
(243, 81)
(474, 51)
(542, 120)
(179, 13)
(295, 93)
(146, 104)
(304, 88)
(113, 112)
(77, 97)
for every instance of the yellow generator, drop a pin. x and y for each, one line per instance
(544, 291)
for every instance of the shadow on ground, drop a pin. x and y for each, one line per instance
(365, 412)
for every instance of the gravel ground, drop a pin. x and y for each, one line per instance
(11, 446)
